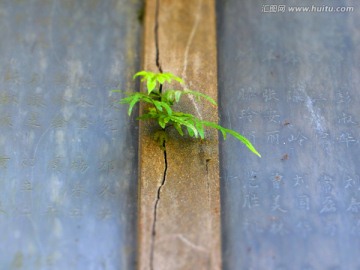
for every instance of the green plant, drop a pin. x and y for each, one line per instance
(160, 108)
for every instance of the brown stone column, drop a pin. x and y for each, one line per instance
(179, 199)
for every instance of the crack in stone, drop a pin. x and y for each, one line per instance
(156, 34)
(157, 61)
(153, 233)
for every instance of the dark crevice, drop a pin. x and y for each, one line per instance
(153, 233)
(156, 34)
(157, 61)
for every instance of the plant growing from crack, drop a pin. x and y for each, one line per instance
(160, 108)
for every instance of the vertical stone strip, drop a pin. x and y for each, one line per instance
(179, 198)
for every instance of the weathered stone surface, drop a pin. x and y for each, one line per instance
(290, 82)
(186, 216)
(68, 164)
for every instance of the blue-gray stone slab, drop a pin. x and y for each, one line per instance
(68, 163)
(290, 82)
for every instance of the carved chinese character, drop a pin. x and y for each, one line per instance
(328, 205)
(83, 102)
(247, 114)
(272, 116)
(347, 139)
(354, 206)
(278, 227)
(80, 165)
(58, 122)
(251, 200)
(304, 228)
(107, 166)
(33, 120)
(269, 95)
(76, 212)
(298, 181)
(252, 179)
(27, 186)
(276, 180)
(273, 137)
(84, 123)
(276, 205)
(343, 97)
(303, 202)
(346, 119)
(106, 191)
(55, 164)
(326, 183)
(298, 138)
(4, 161)
(104, 213)
(78, 190)
(6, 121)
(36, 100)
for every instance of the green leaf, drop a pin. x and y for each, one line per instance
(141, 73)
(160, 79)
(190, 131)
(178, 79)
(244, 141)
(167, 108)
(158, 105)
(132, 104)
(179, 129)
(161, 122)
(178, 95)
(198, 94)
(233, 133)
(151, 84)
(200, 128)
(168, 97)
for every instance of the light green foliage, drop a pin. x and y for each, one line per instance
(160, 109)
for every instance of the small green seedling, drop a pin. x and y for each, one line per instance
(160, 108)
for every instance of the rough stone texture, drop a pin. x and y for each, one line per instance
(188, 212)
(68, 164)
(290, 82)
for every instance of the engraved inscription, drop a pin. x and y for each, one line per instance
(104, 213)
(269, 95)
(79, 164)
(36, 100)
(347, 139)
(273, 137)
(58, 122)
(33, 120)
(6, 121)
(78, 190)
(276, 205)
(4, 162)
(55, 164)
(303, 202)
(272, 116)
(106, 191)
(251, 199)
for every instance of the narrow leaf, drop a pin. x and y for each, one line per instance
(178, 128)
(151, 84)
(178, 95)
(158, 105)
(132, 104)
(140, 73)
(198, 94)
(167, 108)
